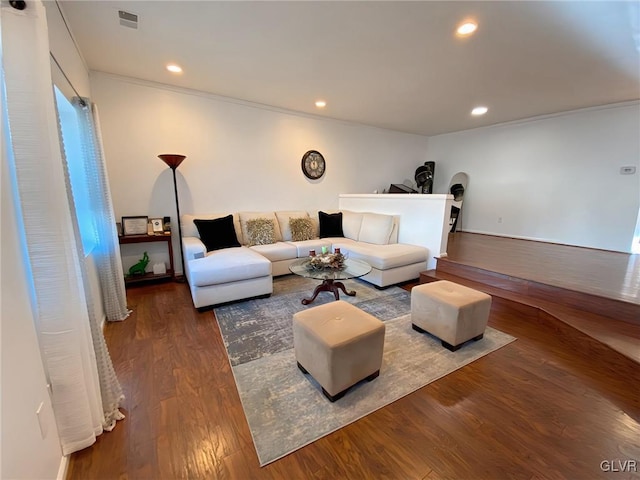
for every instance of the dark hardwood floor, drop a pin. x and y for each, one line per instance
(553, 404)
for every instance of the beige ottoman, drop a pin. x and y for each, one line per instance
(453, 313)
(339, 345)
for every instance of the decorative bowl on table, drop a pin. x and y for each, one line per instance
(326, 261)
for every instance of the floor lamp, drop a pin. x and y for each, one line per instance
(174, 161)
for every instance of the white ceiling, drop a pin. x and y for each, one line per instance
(395, 65)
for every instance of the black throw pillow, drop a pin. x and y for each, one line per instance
(330, 224)
(218, 233)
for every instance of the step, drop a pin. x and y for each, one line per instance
(607, 307)
(624, 337)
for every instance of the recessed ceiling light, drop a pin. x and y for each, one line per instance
(174, 68)
(321, 103)
(479, 111)
(467, 28)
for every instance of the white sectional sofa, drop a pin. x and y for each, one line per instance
(246, 270)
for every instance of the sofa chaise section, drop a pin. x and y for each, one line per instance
(373, 238)
(224, 275)
(390, 264)
(229, 274)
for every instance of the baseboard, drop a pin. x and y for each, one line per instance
(62, 470)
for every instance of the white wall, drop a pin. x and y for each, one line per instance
(239, 156)
(554, 179)
(65, 52)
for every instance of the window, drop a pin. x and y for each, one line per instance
(77, 173)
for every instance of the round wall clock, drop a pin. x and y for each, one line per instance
(313, 164)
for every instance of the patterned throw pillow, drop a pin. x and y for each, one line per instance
(261, 231)
(301, 229)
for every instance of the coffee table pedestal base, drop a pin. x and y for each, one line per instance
(329, 285)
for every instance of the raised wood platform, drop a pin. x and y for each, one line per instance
(572, 284)
(598, 272)
(607, 307)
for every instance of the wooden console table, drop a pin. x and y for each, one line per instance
(150, 276)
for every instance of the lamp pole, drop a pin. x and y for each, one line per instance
(173, 161)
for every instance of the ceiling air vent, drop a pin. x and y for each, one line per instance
(128, 19)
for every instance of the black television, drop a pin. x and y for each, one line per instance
(400, 188)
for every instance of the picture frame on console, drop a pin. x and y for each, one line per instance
(157, 225)
(135, 225)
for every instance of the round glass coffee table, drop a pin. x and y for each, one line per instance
(330, 278)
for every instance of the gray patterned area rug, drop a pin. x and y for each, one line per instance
(285, 409)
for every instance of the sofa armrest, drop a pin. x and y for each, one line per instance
(193, 246)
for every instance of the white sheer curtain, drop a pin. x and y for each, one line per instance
(107, 253)
(110, 389)
(59, 302)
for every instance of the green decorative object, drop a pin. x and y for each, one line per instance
(139, 268)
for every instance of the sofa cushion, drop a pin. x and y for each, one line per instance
(260, 231)
(351, 222)
(330, 224)
(301, 229)
(283, 222)
(384, 257)
(228, 265)
(218, 233)
(304, 246)
(246, 216)
(277, 251)
(375, 228)
(340, 241)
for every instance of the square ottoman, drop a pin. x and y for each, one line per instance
(453, 313)
(339, 345)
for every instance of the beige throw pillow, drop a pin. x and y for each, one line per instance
(301, 229)
(246, 216)
(260, 231)
(283, 218)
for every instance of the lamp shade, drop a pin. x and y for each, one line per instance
(172, 159)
